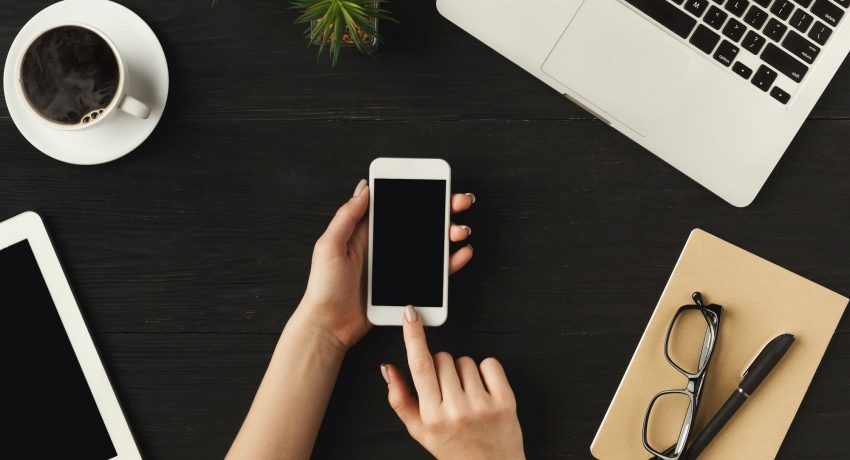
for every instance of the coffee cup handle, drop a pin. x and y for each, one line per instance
(135, 107)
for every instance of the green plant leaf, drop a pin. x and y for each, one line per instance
(330, 20)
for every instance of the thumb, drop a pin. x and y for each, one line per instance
(401, 400)
(349, 215)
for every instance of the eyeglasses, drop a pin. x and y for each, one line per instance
(688, 347)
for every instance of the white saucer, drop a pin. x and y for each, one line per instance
(148, 82)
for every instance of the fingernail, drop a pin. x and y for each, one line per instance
(468, 230)
(385, 374)
(471, 195)
(362, 184)
(411, 314)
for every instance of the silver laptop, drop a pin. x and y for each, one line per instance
(716, 88)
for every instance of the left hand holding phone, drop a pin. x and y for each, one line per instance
(463, 410)
(286, 413)
(335, 300)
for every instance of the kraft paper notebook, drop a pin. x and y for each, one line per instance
(760, 301)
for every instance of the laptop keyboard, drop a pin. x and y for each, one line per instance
(785, 36)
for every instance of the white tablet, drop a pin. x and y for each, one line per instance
(59, 402)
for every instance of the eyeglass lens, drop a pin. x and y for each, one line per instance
(689, 337)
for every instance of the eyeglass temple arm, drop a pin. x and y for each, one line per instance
(706, 346)
(697, 298)
(709, 333)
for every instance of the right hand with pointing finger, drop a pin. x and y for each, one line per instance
(463, 411)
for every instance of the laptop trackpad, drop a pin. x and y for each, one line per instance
(620, 62)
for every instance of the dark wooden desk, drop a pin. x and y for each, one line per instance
(189, 254)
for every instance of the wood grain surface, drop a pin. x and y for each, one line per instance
(189, 254)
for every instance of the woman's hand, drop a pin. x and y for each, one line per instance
(335, 300)
(464, 411)
(287, 411)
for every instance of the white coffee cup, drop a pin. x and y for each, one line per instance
(120, 101)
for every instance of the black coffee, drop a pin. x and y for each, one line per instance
(69, 75)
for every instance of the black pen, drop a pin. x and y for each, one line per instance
(766, 360)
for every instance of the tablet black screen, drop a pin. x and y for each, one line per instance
(47, 406)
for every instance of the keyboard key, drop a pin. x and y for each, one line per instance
(753, 42)
(764, 78)
(780, 95)
(801, 20)
(782, 9)
(734, 30)
(804, 3)
(775, 29)
(784, 62)
(666, 14)
(820, 33)
(704, 39)
(715, 17)
(755, 17)
(827, 11)
(800, 47)
(844, 3)
(742, 70)
(737, 7)
(696, 7)
(726, 53)
(764, 3)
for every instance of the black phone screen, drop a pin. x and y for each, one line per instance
(408, 242)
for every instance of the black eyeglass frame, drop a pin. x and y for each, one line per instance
(712, 314)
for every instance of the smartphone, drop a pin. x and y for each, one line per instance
(409, 206)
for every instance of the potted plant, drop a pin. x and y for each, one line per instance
(334, 24)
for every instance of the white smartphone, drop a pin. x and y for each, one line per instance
(409, 205)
